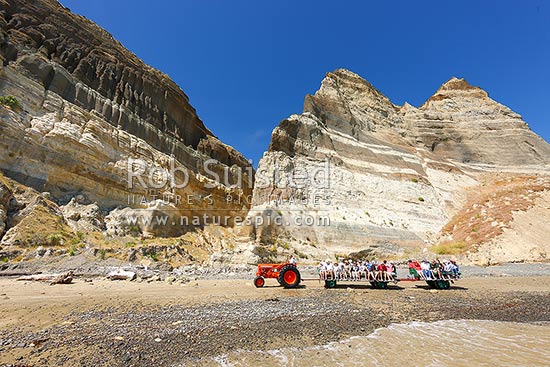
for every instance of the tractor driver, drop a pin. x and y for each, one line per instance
(292, 260)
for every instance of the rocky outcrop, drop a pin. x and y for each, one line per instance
(82, 217)
(34, 220)
(384, 175)
(462, 123)
(89, 109)
(5, 197)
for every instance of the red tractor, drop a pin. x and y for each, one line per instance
(286, 274)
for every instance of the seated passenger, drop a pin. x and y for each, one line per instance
(347, 273)
(425, 266)
(322, 270)
(382, 271)
(330, 271)
(355, 272)
(456, 271)
(435, 268)
(447, 268)
(342, 269)
(363, 270)
(392, 269)
(415, 270)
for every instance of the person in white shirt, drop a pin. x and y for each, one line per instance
(425, 266)
(448, 268)
(292, 260)
(330, 270)
(322, 268)
(362, 270)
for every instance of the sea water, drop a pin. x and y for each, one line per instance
(442, 343)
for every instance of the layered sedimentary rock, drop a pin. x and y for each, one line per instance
(387, 175)
(89, 108)
(5, 196)
(462, 123)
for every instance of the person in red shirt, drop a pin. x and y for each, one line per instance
(383, 270)
(415, 270)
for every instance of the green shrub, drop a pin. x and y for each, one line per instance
(9, 101)
(55, 239)
(72, 251)
(449, 248)
(421, 199)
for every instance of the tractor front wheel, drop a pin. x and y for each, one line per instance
(289, 277)
(259, 282)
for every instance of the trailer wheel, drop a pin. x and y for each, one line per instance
(443, 284)
(259, 282)
(330, 283)
(431, 283)
(380, 285)
(289, 277)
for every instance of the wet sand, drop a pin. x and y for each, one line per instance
(105, 323)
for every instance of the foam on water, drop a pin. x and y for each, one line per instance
(443, 343)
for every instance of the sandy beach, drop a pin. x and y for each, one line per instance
(96, 322)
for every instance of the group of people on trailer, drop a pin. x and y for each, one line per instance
(357, 270)
(436, 269)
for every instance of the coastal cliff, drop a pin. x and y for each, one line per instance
(395, 175)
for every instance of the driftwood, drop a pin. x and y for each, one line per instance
(121, 275)
(65, 278)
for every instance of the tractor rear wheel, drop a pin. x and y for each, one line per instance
(289, 277)
(259, 282)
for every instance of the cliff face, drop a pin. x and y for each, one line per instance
(396, 174)
(462, 123)
(74, 58)
(88, 107)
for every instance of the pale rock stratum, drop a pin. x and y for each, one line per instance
(396, 174)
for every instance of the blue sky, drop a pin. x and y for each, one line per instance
(246, 65)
